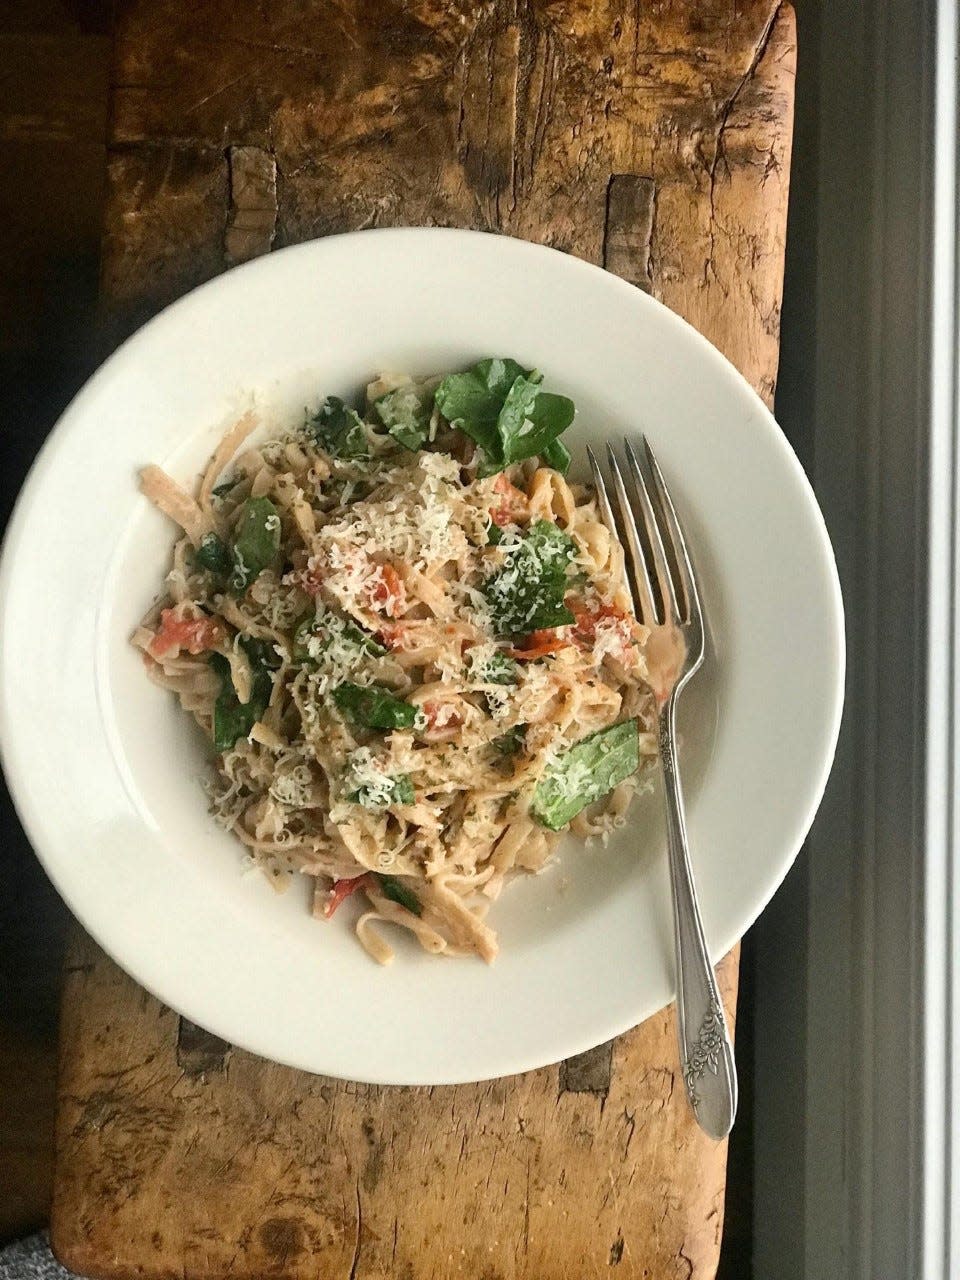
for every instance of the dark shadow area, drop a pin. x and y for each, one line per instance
(53, 92)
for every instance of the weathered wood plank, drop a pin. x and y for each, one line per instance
(262, 1170)
(656, 139)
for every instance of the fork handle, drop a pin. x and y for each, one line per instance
(706, 1054)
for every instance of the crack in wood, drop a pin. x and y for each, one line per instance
(355, 1261)
(719, 149)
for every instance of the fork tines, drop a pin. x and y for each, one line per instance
(659, 574)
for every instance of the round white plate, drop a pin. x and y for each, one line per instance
(106, 771)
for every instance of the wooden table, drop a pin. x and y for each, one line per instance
(652, 138)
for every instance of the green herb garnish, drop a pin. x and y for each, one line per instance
(584, 773)
(401, 792)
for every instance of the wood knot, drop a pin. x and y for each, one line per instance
(282, 1238)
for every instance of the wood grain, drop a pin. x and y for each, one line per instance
(655, 139)
(262, 1170)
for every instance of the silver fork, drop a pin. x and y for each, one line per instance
(665, 597)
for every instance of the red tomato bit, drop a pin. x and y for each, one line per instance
(342, 889)
(196, 635)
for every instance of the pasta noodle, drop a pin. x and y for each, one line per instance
(338, 619)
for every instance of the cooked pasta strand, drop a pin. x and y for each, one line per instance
(380, 727)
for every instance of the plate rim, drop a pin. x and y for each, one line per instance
(71, 420)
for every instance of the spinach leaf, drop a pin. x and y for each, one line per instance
(556, 455)
(329, 628)
(338, 429)
(373, 707)
(498, 669)
(257, 542)
(531, 420)
(398, 892)
(502, 406)
(473, 400)
(213, 554)
(526, 593)
(233, 719)
(405, 413)
(494, 536)
(586, 772)
(509, 743)
(401, 792)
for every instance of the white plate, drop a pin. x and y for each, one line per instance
(105, 770)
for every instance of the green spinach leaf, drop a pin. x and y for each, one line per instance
(584, 773)
(329, 628)
(527, 593)
(509, 743)
(213, 554)
(473, 400)
(502, 407)
(499, 668)
(373, 707)
(531, 420)
(398, 892)
(405, 413)
(339, 429)
(233, 719)
(257, 542)
(556, 455)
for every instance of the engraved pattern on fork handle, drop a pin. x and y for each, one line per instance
(706, 1054)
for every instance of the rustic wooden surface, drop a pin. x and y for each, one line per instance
(653, 139)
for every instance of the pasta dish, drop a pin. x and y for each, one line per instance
(407, 637)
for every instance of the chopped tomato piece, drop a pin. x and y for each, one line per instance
(196, 635)
(342, 889)
(607, 629)
(513, 503)
(392, 635)
(538, 644)
(385, 592)
(441, 715)
(585, 627)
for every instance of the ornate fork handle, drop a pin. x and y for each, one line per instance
(706, 1054)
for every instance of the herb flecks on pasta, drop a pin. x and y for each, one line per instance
(407, 638)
